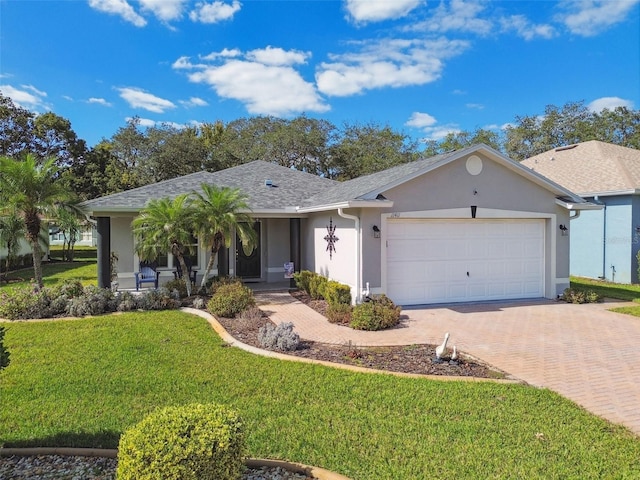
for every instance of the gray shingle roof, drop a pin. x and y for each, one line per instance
(362, 188)
(590, 168)
(289, 187)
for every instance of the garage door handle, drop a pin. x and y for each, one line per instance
(467, 274)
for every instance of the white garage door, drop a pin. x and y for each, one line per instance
(443, 261)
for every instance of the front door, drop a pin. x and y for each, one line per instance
(249, 266)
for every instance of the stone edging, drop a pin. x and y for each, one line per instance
(220, 330)
(316, 472)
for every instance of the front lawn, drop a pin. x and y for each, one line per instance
(82, 382)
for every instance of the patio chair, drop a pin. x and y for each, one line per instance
(192, 272)
(148, 274)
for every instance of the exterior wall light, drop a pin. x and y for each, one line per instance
(376, 232)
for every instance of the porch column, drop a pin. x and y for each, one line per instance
(294, 246)
(103, 229)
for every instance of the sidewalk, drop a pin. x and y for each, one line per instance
(583, 352)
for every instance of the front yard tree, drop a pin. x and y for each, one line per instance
(165, 225)
(33, 191)
(220, 211)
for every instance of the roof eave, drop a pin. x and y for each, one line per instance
(578, 205)
(347, 204)
(611, 193)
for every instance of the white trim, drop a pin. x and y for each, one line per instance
(579, 206)
(347, 204)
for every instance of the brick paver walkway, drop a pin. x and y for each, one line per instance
(583, 352)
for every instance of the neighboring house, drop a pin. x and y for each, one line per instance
(604, 243)
(471, 225)
(85, 237)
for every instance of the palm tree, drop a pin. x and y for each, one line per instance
(11, 231)
(219, 213)
(165, 225)
(32, 190)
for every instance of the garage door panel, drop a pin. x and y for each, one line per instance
(504, 259)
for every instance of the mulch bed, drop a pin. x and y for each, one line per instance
(418, 359)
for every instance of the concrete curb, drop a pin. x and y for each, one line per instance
(316, 472)
(220, 330)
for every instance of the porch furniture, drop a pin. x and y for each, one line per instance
(192, 272)
(148, 274)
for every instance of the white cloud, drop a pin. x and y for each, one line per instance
(421, 120)
(609, 103)
(99, 101)
(525, 29)
(263, 80)
(121, 8)
(194, 102)
(27, 96)
(138, 98)
(214, 12)
(439, 132)
(164, 10)
(277, 56)
(590, 17)
(387, 63)
(459, 16)
(377, 10)
(475, 106)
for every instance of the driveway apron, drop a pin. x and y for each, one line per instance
(583, 352)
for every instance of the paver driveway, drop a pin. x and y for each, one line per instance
(584, 352)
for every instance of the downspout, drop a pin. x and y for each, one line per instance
(356, 219)
(604, 236)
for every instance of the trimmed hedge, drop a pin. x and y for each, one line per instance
(231, 299)
(377, 314)
(191, 442)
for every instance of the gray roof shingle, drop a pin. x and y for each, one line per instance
(289, 187)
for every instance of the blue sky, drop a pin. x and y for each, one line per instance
(422, 67)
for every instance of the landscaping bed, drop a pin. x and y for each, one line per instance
(413, 359)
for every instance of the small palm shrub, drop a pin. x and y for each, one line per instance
(571, 295)
(377, 314)
(190, 442)
(231, 299)
(281, 337)
(4, 354)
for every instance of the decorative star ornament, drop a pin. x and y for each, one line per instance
(331, 238)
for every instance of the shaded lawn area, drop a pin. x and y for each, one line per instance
(616, 291)
(82, 382)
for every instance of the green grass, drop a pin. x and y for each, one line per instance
(614, 291)
(83, 382)
(84, 268)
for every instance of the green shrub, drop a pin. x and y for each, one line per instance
(161, 299)
(216, 282)
(178, 285)
(93, 301)
(317, 284)
(337, 293)
(377, 314)
(25, 303)
(339, 313)
(126, 302)
(70, 288)
(231, 299)
(4, 354)
(191, 442)
(303, 279)
(571, 295)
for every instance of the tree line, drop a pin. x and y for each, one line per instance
(135, 156)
